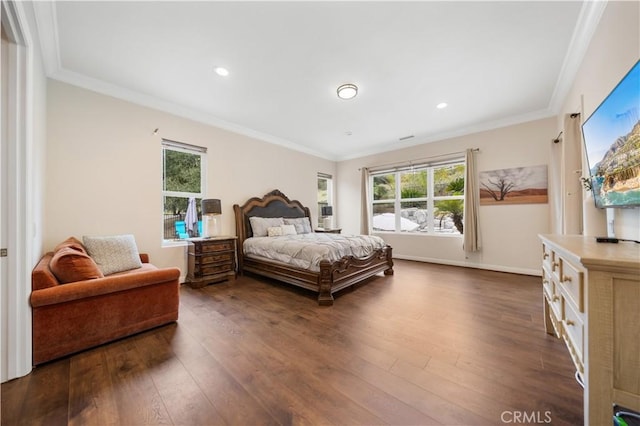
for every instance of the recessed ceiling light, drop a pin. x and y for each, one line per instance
(442, 105)
(221, 71)
(347, 91)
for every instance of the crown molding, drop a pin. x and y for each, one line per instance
(46, 20)
(585, 28)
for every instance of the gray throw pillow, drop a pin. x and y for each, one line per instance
(302, 224)
(260, 225)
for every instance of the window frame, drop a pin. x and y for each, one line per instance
(430, 198)
(329, 179)
(170, 145)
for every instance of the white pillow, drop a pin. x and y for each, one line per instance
(113, 254)
(302, 224)
(274, 231)
(259, 225)
(288, 230)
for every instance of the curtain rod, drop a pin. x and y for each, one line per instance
(573, 115)
(401, 163)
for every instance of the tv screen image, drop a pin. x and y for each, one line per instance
(612, 143)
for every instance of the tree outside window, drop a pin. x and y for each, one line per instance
(183, 178)
(428, 199)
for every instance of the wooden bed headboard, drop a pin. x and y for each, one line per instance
(273, 204)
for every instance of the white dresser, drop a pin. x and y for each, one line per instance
(592, 301)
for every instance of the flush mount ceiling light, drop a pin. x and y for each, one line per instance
(442, 105)
(347, 91)
(221, 71)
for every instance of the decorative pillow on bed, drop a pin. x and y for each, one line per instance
(288, 230)
(260, 225)
(274, 231)
(113, 254)
(302, 224)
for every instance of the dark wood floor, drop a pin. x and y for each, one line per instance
(432, 344)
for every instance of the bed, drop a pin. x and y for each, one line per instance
(328, 276)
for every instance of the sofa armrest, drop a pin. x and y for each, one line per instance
(96, 287)
(144, 257)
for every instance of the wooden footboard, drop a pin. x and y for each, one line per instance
(350, 270)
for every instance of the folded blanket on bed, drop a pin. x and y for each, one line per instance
(307, 250)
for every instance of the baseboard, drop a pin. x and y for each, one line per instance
(499, 268)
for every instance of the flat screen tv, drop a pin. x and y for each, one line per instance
(612, 143)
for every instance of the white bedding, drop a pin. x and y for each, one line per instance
(307, 250)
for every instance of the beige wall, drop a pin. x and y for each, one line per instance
(509, 233)
(104, 169)
(614, 49)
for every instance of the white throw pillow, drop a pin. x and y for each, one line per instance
(302, 224)
(288, 230)
(113, 254)
(260, 225)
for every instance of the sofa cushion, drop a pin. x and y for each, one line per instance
(71, 265)
(113, 254)
(72, 242)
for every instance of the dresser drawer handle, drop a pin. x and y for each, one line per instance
(569, 322)
(556, 298)
(566, 279)
(545, 281)
(554, 265)
(544, 256)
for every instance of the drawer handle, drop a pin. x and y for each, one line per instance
(566, 279)
(545, 281)
(569, 322)
(556, 298)
(554, 265)
(544, 256)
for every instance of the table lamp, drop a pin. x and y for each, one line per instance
(211, 221)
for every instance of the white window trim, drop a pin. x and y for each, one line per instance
(190, 149)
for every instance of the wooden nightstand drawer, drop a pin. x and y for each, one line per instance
(217, 246)
(216, 258)
(215, 269)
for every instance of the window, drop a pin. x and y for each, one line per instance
(325, 194)
(419, 199)
(183, 177)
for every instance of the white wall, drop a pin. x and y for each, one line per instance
(509, 232)
(614, 49)
(104, 170)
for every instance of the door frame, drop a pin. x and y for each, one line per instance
(15, 318)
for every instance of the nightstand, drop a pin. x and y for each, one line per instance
(211, 260)
(329, 231)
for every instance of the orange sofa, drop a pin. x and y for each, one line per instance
(74, 316)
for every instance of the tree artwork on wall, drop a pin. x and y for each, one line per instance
(518, 185)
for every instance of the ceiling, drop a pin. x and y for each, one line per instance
(493, 63)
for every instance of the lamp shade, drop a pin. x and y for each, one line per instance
(327, 211)
(211, 206)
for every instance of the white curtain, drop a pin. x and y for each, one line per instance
(572, 186)
(366, 197)
(471, 205)
(555, 187)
